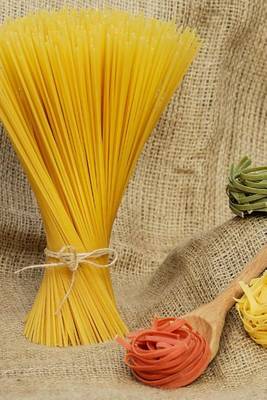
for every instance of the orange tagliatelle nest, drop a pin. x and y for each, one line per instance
(170, 354)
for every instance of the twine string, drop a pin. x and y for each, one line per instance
(68, 256)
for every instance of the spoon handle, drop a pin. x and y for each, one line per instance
(252, 270)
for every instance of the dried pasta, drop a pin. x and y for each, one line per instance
(81, 91)
(252, 308)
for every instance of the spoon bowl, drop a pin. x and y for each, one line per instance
(207, 325)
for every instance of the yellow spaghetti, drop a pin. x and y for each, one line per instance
(81, 91)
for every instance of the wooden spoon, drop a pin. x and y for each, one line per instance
(209, 318)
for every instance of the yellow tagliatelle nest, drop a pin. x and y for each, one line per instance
(252, 308)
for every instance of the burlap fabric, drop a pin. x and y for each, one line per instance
(167, 264)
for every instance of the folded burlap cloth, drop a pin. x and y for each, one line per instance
(167, 264)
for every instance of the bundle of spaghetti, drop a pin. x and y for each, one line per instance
(81, 91)
(252, 308)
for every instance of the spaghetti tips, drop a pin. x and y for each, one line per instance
(81, 91)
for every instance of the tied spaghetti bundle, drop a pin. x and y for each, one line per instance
(252, 308)
(81, 91)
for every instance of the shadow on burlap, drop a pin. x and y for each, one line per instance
(177, 243)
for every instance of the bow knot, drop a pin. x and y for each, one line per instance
(68, 256)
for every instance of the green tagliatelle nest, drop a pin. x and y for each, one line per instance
(247, 188)
(252, 308)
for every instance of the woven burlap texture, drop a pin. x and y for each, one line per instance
(177, 241)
